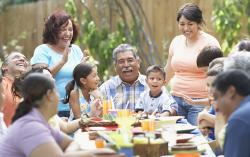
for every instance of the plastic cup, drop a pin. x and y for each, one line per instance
(104, 107)
(148, 125)
(145, 125)
(123, 113)
(151, 125)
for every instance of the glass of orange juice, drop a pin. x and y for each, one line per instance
(145, 125)
(151, 125)
(99, 143)
(148, 125)
(106, 106)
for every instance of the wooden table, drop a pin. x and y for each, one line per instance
(82, 138)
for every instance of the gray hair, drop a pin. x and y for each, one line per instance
(239, 60)
(123, 48)
(217, 62)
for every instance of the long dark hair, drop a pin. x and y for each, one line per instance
(82, 70)
(53, 25)
(33, 88)
(191, 12)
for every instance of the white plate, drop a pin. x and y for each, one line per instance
(184, 128)
(98, 128)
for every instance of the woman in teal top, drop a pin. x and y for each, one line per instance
(58, 53)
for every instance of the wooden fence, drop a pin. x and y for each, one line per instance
(29, 18)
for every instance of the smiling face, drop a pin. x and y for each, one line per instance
(155, 81)
(127, 67)
(65, 35)
(92, 81)
(188, 28)
(16, 64)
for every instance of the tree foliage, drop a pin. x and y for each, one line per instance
(230, 17)
(99, 41)
(102, 39)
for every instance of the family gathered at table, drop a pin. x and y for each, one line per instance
(44, 100)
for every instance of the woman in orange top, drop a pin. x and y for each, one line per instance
(188, 80)
(13, 65)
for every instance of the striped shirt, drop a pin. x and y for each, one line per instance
(124, 95)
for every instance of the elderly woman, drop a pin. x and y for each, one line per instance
(58, 53)
(30, 134)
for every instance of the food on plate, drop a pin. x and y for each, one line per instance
(93, 135)
(184, 147)
(85, 123)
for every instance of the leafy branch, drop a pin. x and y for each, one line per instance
(229, 15)
(103, 39)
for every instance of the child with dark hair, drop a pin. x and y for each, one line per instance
(156, 99)
(78, 91)
(207, 55)
(55, 121)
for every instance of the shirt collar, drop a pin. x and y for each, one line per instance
(158, 95)
(243, 102)
(141, 79)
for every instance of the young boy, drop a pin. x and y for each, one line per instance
(156, 100)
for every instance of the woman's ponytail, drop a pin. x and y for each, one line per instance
(23, 108)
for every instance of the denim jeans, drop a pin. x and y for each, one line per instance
(190, 112)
